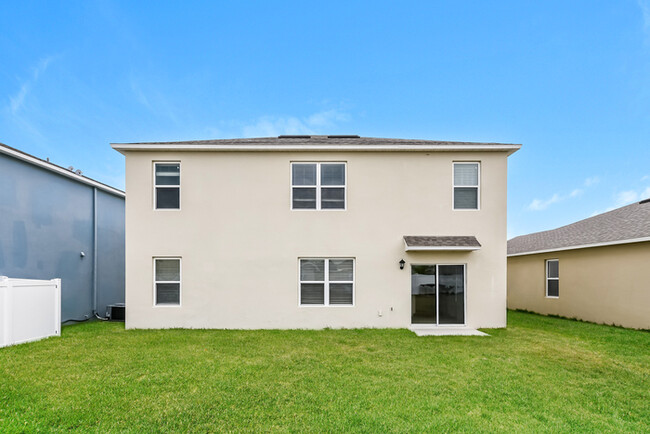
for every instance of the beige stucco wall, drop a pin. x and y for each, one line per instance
(240, 241)
(608, 285)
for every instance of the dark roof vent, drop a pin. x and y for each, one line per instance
(294, 137)
(344, 137)
(644, 201)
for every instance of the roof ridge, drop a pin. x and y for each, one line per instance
(312, 137)
(625, 223)
(577, 222)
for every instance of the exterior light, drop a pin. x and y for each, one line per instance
(401, 264)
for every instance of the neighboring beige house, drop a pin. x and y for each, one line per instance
(314, 232)
(597, 269)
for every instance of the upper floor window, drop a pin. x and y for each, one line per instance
(318, 186)
(466, 185)
(167, 185)
(553, 278)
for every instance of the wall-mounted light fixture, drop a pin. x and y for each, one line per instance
(401, 264)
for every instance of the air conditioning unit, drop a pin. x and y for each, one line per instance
(116, 312)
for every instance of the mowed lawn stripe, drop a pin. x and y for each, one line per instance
(541, 374)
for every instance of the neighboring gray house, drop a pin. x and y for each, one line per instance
(57, 223)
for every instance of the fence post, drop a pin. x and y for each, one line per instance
(9, 317)
(57, 307)
(3, 312)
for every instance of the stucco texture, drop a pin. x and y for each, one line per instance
(607, 285)
(240, 241)
(46, 221)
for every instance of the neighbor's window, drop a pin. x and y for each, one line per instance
(318, 186)
(326, 282)
(466, 185)
(552, 278)
(167, 281)
(167, 185)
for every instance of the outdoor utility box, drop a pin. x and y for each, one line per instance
(116, 312)
(29, 310)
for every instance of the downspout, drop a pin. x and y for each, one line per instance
(95, 251)
(95, 257)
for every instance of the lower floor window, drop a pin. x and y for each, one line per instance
(326, 282)
(167, 281)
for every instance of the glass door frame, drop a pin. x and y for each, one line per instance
(437, 323)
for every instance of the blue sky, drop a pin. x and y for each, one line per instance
(568, 80)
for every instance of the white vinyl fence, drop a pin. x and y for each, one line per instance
(29, 310)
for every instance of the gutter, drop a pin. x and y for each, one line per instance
(583, 246)
(95, 251)
(315, 147)
(19, 155)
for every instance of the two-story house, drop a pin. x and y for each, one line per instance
(314, 232)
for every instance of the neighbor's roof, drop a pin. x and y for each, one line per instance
(24, 156)
(629, 224)
(315, 143)
(438, 242)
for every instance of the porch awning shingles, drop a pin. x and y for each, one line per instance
(424, 243)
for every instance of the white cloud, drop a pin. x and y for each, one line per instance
(626, 197)
(276, 126)
(645, 11)
(17, 106)
(591, 181)
(139, 94)
(645, 194)
(575, 193)
(327, 118)
(153, 100)
(645, 178)
(269, 126)
(539, 205)
(17, 101)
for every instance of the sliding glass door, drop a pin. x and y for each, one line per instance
(438, 294)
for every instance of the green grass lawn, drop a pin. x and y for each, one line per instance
(539, 374)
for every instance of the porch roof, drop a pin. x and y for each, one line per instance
(440, 242)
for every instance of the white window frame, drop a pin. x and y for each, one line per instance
(454, 186)
(318, 186)
(326, 282)
(155, 204)
(552, 278)
(180, 282)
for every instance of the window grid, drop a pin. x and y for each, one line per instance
(156, 282)
(157, 186)
(477, 186)
(326, 282)
(318, 186)
(549, 279)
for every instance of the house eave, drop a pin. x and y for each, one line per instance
(438, 249)
(19, 155)
(123, 147)
(583, 246)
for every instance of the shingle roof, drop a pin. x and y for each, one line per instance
(315, 143)
(631, 222)
(441, 242)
